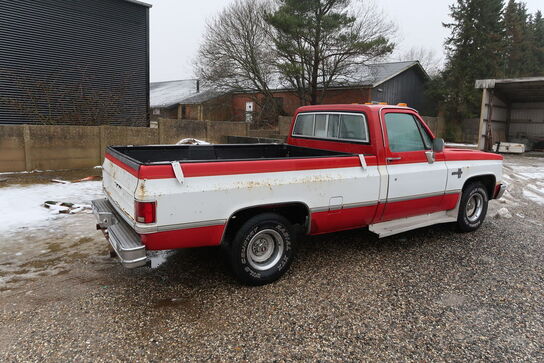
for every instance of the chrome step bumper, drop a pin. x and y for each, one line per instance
(122, 237)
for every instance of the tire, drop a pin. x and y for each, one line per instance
(473, 207)
(262, 249)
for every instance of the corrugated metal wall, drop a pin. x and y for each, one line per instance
(62, 59)
(527, 121)
(408, 87)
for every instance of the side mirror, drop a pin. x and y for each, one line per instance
(438, 145)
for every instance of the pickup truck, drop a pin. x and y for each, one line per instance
(343, 167)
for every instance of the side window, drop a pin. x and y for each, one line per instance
(426, 138)
(403, 133)
(320, 125)
(304, 125)
(332, 126)
(353, 127)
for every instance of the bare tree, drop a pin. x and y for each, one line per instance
(326, 43)
(429, 59)
(237, 52)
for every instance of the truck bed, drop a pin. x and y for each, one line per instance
(160, 154)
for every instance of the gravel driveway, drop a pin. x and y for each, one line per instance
(431, 294)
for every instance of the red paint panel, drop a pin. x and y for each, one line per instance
(122, 165)
(450, 201)
(250, 167)
(415, 207)
(463, 154)
(184, 238)
(327, 222)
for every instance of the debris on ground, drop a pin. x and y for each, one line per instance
(66, 208)
(89, 178)
(192, 141)
(60, 181)
(2, 180)
(503, 213)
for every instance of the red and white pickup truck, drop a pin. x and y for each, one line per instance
(343, 167)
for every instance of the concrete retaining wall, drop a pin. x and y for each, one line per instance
(29, 147)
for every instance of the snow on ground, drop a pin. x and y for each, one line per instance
(23, 204)
(525, 176)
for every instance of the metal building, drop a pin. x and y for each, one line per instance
(512, 111)
(74, 62)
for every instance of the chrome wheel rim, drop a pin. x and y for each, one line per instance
(475, 206)
(265, 249)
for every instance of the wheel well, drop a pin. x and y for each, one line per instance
(487, 180)
(296, 213)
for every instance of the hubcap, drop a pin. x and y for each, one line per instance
(265, 249)
(475, 206)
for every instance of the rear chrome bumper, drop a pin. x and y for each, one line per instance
(501, 191)
(122, 237)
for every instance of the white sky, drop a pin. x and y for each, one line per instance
(177, 27)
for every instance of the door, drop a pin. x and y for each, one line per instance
(417, 176)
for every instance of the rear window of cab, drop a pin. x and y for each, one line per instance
(340, 126)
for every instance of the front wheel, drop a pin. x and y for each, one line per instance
(262, 249)
(473, 207)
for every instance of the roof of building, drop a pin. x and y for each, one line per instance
(170, 93)
(376, 74)
(525, 89)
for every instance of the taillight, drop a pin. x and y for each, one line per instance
(145, 212)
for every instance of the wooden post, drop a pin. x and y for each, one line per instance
(27, 146)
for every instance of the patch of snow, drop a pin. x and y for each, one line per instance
(527, 172)
(537, 198)
(503, 213)
(191, 141)
(23, 204)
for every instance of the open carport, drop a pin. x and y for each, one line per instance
(512, 111)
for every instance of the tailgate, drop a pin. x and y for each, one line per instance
(120, 187)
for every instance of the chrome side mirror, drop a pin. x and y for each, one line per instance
(438, 145)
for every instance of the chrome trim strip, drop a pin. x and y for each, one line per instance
(421, 196)
(357, 205)
(174, 227)
(345, 206)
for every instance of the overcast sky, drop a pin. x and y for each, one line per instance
(177, 27)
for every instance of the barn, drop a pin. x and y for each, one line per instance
(74, 62)
(397, 82)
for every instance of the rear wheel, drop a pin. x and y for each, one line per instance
(262, 249)
(473, 207)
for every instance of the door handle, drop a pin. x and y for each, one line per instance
(393, 159)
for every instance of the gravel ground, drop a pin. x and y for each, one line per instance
(430, 295)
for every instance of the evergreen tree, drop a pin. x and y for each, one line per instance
(320, 43)
(519, 51)
(538, 41)
(473, 52)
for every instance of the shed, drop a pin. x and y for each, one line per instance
(72, 61)
(512, 111)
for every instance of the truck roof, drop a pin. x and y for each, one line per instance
(351, 107)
